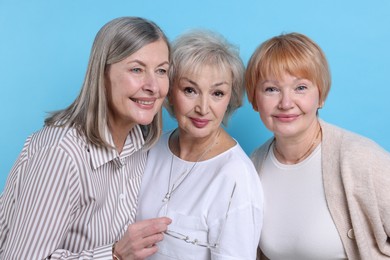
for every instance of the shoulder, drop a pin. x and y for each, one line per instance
(259, 154)
(349, 143)
(235, 166)
(261, 150)
(234, 158)
(45, 157)
(235, 169)
(161, 144)
(48, 138)
(353, 151)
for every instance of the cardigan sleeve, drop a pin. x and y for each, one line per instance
(365, 170)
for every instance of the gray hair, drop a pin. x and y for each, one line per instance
(114, 42)
(194, 49)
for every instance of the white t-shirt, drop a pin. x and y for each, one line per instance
(297, 221)
(199, 205)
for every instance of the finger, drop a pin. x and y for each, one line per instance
(149, 227)
(152, 240)
(152, 221)
(136, 247)
(146, 252)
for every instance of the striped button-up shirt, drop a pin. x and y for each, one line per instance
(68, 199)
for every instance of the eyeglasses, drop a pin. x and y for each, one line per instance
(187, 239)
(195, 241)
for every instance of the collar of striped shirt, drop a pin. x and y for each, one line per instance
(102, 155)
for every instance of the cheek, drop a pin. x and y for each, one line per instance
(181, 105)
(223, 106)
(164, 87)
(263, 106)
(113, 87)
(258, 101)
(310, 106)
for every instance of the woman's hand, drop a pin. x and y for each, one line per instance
(140, 239)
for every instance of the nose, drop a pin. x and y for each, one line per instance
(202, 106)
(286, 101)
(150, 83)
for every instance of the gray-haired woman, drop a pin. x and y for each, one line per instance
(73, 190)
(197, 174)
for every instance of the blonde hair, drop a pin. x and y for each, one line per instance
(197, 48)
(115, 41)
(292, 53)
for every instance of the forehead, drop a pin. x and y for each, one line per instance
(207, 73)
(203, 68)
(156, 50)
(286, 79)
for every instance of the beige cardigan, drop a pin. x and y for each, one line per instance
(356, 176)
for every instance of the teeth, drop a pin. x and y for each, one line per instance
(144, 102)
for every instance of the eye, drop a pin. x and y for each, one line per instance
(270, 89)
(219, 93)
(301, 88)
(189, 91)
(136, 70)
(162, 71)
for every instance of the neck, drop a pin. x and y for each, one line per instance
(288, 153)
(193, 149)
(119, 135)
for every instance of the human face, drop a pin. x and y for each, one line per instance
(288, 106)
(137, 85)
(200, 100)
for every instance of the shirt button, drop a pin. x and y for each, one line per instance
(122, 196)
(351, 234)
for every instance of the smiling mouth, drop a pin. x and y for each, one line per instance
(286, 116)
(143, 102)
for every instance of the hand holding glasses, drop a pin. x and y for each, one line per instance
(163, 212)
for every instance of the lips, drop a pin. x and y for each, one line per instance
(199, 123)
(286, 118)
(143, 102)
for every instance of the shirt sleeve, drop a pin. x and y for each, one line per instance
(98, 253)
(239, 226)
(241, 235)
(38, 205)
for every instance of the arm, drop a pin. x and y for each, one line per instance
(241, 235)
(37, 204)
(138, 242)
(365, 176)
(40, 203)
(240, 231)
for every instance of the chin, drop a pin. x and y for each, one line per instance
(145, 122)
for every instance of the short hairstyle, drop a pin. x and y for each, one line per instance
(293, 53)
(196, 48)
(115, 41)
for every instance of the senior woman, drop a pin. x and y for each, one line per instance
(198, 175)
(325, 188)
(73, 190)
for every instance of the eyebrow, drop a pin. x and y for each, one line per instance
(143, 63)
(214, 85)
(277, 81)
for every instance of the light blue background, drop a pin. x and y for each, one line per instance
(45, 45)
